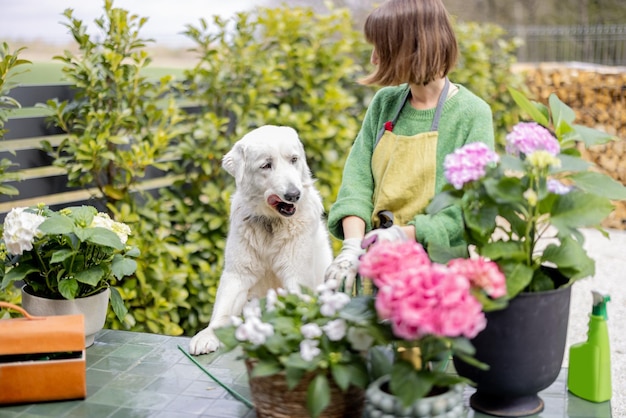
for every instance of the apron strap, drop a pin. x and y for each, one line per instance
(395, 118)
(442, 98)
(435, 125)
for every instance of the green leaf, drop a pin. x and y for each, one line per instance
(122, 266)
(61, 255)
(341, 375)
(68, 288)
(600, 184)
(562, 116)
(380, 361)
(577, 210)
(91, 276)
(117, 303)
(571, 258)
(538, 112)
(318, 395)
(17, 273)
(101, 236)
(518, 276)
(409, 384)
(57, 225)
(591, 136)
(226, 335)
(266, 367)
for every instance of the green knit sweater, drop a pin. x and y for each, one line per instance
(465, 118)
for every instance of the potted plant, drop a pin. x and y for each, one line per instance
(304, 356)
(66, 256)
(524, 210)
(425, 312)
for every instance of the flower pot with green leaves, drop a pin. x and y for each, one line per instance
(422, 313)
(66, 256)
(524, 210)
(304, 355)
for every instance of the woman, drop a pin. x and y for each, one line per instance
(395, 165)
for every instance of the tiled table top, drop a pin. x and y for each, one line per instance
(145, 375)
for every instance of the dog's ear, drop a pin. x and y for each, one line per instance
(233, 162)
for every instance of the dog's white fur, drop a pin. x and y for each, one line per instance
(268, 246)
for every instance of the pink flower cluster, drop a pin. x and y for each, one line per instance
(421, 298)
(528, 137)
(468, 163)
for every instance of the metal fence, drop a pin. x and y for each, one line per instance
(599, 44)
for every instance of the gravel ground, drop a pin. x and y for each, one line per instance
(610, 256)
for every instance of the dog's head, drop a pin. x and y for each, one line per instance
(270, 169)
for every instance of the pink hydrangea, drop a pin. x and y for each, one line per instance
(382, 262)
(482, 274)
(528, 137)
(468, 163)
(418, 297)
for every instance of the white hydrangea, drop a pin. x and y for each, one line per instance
(103, 220)
(332, 302)
(20, 230)
(252, 309)
(254, 331)
(360, 339)
(335, 330)
(309, 349)
(311, 331)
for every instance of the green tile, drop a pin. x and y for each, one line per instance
(579, 408)
(226, 409)
(131, 381)
(172, 385)
(114, 364)
(52, 409)
(89, 410)
(149, 400)
(150, 369)
(189, 404)
(133, 351)
(5, 412)
(112, 397)
(132, 413)
(99, 378)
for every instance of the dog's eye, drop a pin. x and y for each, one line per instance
(294, 159)
(267, 166)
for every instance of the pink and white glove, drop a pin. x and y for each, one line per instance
(392, 234)
(344, 267)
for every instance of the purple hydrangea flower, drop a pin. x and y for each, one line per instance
(556, 187)
(528, 137)
(468, 163)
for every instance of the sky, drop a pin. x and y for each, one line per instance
(25, 20)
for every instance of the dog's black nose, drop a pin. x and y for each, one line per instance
(292, 195)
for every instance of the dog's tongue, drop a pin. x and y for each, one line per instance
(284, 208)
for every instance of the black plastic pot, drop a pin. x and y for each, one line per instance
(524, 346)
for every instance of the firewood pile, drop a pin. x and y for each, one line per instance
(597, 94)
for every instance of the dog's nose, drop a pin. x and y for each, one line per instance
(292, 195)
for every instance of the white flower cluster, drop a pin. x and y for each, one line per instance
(252, 329)
(103, 220)
(20, 230)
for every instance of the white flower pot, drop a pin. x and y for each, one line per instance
(93, 308)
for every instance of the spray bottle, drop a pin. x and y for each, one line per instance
(589, 374)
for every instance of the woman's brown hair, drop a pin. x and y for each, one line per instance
(414, 42)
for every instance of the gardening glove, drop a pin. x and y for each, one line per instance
(344, 267)
(391, 234)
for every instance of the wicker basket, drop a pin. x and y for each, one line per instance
(272, 398)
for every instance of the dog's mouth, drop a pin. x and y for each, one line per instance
(284, 208)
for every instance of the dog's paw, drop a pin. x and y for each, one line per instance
(204, 342)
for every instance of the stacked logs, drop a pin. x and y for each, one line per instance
(598, 97)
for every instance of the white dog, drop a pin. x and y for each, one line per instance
(277, 236)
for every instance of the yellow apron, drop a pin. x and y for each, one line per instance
(404, 170)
